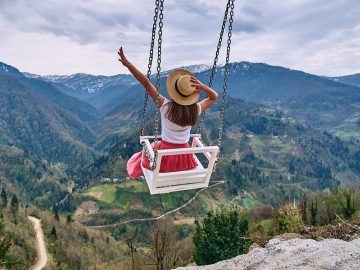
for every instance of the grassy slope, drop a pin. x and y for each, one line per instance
(121, 202)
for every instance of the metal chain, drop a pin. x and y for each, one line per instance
(153, 35)
(147, 153)
(215, 60)
(158, 68)
(160, 7)
(226, 74)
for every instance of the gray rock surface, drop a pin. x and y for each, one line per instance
(294, 254)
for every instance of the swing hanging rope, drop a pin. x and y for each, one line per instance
(159, 6)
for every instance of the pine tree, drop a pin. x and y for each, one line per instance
(220, 235)
(304, 209)
(4, 200)
(68, 219)
(56, 216)
(314, 212)
(348, 209)
(53, 233)
(14, 205)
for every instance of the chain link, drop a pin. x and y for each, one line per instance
(147, 153)
(159, 6)
(158, 68)
(215, 60)
(226, 75)
(151, 54)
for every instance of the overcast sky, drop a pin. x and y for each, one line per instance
(70, 36)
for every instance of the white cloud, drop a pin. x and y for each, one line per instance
(66, 36)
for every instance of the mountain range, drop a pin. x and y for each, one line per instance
(272, 120)
(349, 79)
(327, 103)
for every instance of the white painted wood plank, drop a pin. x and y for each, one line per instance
(181, 181)
(159, 136)
(191, 150)
(182, 173)
(198, 143)
(177, 188)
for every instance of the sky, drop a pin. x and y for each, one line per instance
(82, 36)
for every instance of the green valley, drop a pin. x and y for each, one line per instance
(65, 161)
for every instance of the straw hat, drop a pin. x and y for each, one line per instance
(179, 87)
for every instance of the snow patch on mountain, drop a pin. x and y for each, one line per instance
(89, 83)
(94, 83)
(32, 76)
(5, 68)
(197, 68)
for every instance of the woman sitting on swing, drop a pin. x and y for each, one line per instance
(178, 115)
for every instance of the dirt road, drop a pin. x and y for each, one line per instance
(41, 248)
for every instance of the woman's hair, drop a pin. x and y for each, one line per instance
(182, 115)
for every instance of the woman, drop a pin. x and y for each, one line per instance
(178, 115)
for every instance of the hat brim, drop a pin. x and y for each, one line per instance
(170, 86)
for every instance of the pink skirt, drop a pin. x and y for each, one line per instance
(171, 163)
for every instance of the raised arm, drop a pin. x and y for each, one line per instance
(149, 87)
(211, 93)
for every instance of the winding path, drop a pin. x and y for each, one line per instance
(159, 217)
(41, 248)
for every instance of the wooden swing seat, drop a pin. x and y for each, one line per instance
(166, 182)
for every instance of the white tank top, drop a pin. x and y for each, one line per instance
(171, 132)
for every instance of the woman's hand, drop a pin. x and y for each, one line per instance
(149, 87)
(211, 93)
(123, 58)
(196, 83)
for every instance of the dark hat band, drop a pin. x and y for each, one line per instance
(178, 91)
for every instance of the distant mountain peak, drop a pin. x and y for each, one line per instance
(87, 82)
(353, 79)
(5, 68)
(197, 68)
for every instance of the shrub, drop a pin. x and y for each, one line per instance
(259, 235)
(288, 219)
(221, 235)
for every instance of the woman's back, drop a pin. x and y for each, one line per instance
(171, 132)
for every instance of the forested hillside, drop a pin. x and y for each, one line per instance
(62, 155)
(69, 244)
(34, 180)
(263, 150)
(40, 127)
(49, 92)
(323, 103)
